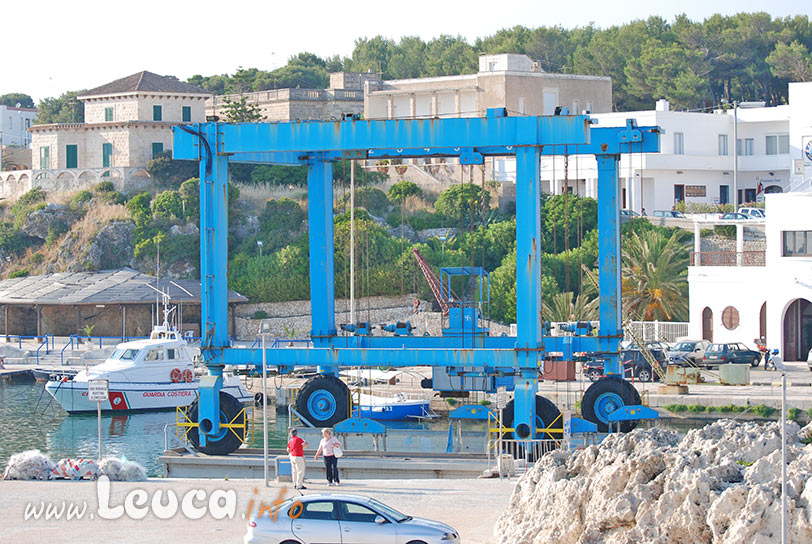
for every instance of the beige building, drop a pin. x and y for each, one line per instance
(508, 81)
(344, 97)
(127, 123)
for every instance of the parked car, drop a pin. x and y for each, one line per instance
(669, 213)
(634, 365)
(733, 216)
(692, 350)
(755, 213)
(731, 352)
(333, 519)
(629, 213)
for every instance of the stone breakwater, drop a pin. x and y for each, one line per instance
(719, 484)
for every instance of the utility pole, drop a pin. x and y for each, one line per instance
(352, 241)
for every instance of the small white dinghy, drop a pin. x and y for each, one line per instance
(152, 374)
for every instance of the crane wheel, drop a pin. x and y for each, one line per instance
(226, 440)
(324, 401)
(548, 416)
(604, 397)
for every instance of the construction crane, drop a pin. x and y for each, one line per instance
(434, 283)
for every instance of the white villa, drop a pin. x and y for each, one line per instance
(746, 296)
(127, 123)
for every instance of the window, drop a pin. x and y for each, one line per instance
(44, 157)
(797, 243)
(156, 113)
(723, 144)
(351, 511)
(778, 144)
(108, 114)
(71, 156)
(679, 149)
(724, 194)
(575, 106)
(730, 318)
(154, 355)
(107, 155)
(186, 114)
(170, 354)
(748, 147)
(318, 510)
(157, 149)
(589, 107)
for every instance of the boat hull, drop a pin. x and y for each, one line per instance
(398, 411)
(132, 397)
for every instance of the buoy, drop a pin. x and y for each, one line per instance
(175, 375)
(188, 376)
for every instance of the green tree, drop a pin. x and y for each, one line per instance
(457, 203)
(168, 205)
(403, 189)
(567, 219)
(190, 197)
(569, 307)
(654, 283)
(65, 109)
(792, 62)
(12, 99)
(242, 111)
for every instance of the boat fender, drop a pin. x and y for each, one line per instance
(175, 375)
(188, 375)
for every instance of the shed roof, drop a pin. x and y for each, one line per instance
(145, 82)
(122, 286)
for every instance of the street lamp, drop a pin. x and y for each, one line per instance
(736, 106)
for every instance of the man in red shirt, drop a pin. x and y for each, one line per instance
(296, 448)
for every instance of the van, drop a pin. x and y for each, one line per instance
(753, 213)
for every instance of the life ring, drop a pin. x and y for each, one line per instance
(188, 375)
(175, 375)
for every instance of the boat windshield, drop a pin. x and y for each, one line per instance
(124, 354)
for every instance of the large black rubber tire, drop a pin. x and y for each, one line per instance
(324, 386)
(547, 412)
(228, 442)
(609, 385)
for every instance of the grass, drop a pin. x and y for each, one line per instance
(761, 410)
(744, 463)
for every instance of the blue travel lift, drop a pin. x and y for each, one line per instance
(469, 361)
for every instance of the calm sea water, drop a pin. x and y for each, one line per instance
(31, 420)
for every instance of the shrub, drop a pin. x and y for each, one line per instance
(36, 258)
(763, 410)
(167, 204)
(398, 192)
(19, 273)
(371, 199)
(456, 203)
(104, 187)
(726, 231)
(260, 314)
(676, 408)
(80, 198)
(793, 413)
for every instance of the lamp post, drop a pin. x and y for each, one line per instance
(736, 105)
(264, 329)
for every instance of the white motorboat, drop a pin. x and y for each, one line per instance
(399, 407)
(152, 374)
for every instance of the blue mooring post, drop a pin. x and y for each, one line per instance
(214, 276)
(609, 260)
(528, 289)
(322, 274)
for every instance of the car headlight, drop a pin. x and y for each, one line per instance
(449, 536)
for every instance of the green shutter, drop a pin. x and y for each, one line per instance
(187, 114)
(157, 148)
(44, 157)
(71, 156)
(108, 114)
(107, 155)
(156, 113)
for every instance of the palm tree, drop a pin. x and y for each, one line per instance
(655, 270)
(565, 307)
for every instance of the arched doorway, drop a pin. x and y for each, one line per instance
(797, 330)
(707, 324)
(762, 322)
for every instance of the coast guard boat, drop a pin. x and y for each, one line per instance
(152, 374)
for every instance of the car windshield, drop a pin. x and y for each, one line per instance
(124, 354)
(391, 512)
(715, 348)
(684, 346)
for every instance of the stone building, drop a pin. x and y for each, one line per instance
(344, 97)
(116, 303)
(127, 123)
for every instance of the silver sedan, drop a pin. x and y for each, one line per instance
(343, 519)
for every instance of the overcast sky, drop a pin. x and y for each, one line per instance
(54, 46)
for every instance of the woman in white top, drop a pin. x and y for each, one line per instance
(327, 446)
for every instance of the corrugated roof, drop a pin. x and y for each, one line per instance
(145, 82)
(123, 286)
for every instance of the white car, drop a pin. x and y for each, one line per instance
(755, 213)
(337, 519)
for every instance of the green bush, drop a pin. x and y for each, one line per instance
(424, 219)
(80, 198)
(54, 232)
(698, 408)
(104, 187)
(260, 314)
(793, 413)
(167, 205)
(12, 240)
(726, 231)
(763, 410)
(403, 189)
(36, 258)
(19, 273)
(371, 199)
(27, 203)
(676, 408)
(457, 202)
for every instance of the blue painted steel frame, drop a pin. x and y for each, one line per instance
(317, 144)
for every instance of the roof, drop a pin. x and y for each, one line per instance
(145, 82)
(122, 286)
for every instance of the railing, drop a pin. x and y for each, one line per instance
(657, 331)
(277, 342)
(92, 339)
(21, 337)
(44, 343)
(727, 258)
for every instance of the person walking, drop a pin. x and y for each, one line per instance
(330, 446)
(296, 448)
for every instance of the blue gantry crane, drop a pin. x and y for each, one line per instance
(465, 358)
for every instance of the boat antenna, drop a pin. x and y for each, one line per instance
(180, 310)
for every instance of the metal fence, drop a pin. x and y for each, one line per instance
(657, 331)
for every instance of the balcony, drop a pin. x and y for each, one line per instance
(727, 258)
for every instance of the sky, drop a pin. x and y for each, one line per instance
(62, 46)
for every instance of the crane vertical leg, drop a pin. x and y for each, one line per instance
(322, 274)
(609, 260)
(214, 278)
(528, 289)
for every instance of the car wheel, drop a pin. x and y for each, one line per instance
(756, 361)
(593, 375)
(290, 542)
(415, 542)
(644, 375)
